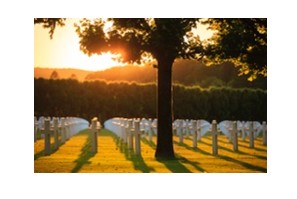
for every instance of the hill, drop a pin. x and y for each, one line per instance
(64, 73)
(186, 72)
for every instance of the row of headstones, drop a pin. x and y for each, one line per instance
(127, 129)
(244, 128)
(250, 127)
(130, 131)
(253, 129)
(58, 127)
(185, 127)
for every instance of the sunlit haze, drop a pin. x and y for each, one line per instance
(63, 50)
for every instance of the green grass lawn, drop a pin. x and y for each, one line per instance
(113, 156)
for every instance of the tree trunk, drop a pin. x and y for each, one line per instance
(164, 111)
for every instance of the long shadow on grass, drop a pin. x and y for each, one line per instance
(198, 150)
(175, 165)
(201, 141)
(239, 145)
(130, 155)
(85, 155)
(243, 153)
(151, 144)
(238, 152)
(38, 155)
(255, 148)
(246, 165)
(41, 153)
(187, 161)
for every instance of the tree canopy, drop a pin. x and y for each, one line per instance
(138, 38)
(242, 41)
(50, 23)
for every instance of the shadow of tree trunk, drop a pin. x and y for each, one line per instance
(174, 165)
(85, 155)
(130, 155)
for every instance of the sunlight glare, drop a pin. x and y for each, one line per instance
(63, 50)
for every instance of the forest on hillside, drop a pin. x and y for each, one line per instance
(61, 73)
(186, 72)
(121, 99)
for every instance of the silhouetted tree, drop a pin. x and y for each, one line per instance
(163, 39)
(73, 76)
(54, 75)
(242, 41)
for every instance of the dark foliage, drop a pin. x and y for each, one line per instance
(107, 100)
(50, 23)
(242, 40)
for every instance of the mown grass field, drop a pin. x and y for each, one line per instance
(114, 157)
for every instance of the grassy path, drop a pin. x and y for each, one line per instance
(114, 157)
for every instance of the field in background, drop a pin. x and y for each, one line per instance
(114, 157)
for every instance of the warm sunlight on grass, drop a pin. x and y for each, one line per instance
(114, 157)
(63, 160)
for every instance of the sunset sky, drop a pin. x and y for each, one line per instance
(63, 50)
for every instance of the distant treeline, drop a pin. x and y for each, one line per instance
(107, 100)
(186, 72)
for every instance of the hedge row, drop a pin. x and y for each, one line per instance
(106, 100)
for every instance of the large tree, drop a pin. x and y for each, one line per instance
(136, 39)
(242, 41)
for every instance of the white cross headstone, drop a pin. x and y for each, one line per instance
(137, 137)
(251, 134)
(35, 129)
(214, 138)
(70, 127)
(194, 132)
(234, 136)
(67, 128)
(243, 130)
(230, 128)
(180, 135)
(155, 126)
(124, 132)
(94, 135)
(47, 137)
(130, 134)
(56, 133)
(199, 130)
(63, 130)
(264, 129)
(187, 128)
(150, 130)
